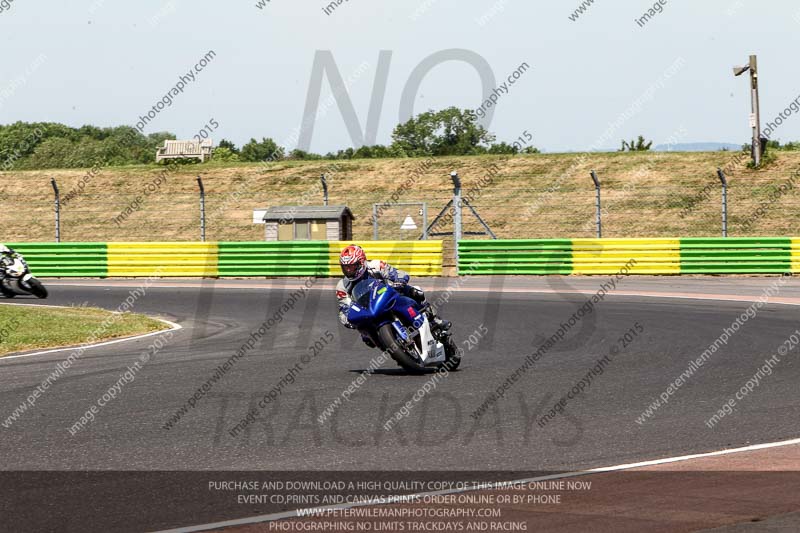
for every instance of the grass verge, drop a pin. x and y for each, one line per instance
(27, 328)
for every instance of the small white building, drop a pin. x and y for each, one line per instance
(185, 150)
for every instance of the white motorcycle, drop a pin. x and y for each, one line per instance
(18, 279)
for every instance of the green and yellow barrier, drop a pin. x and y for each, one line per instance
(738, 255)
(528, 256)
(74, 259)
(162, 259)
(223, 259)
(321, 258)
(258, 258)
(733, 255)
(635, 256)
(796, 254)
(712, 255)
(418, 258)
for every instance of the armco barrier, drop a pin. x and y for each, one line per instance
(732, 255)
(529, 256)
(224, 259)
(418, 258)
(295, 258)
(75, 259)
(642, 256)
(740, 255)
(162, 259)
(321, 258)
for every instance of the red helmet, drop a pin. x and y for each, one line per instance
(353, 261)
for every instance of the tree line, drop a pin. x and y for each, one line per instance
(34, 145)
(39, 145)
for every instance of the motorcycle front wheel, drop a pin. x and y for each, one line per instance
(394, 348)
(6, 291)
(37, 289)
(452, 354)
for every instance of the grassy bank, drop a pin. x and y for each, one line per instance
(28, 328)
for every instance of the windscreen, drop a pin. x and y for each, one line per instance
(361, 293)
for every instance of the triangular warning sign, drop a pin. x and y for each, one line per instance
(408, 223)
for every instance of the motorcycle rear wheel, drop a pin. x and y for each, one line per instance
(393, 347)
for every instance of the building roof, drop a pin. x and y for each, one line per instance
(303, 212)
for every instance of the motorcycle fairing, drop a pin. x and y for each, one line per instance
(379, 304)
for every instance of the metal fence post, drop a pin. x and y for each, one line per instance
(457, 210)
(424, 221)
(202, 209)
(374, 222)
(58, 208)
(324, 190)
(599, 215)
(724, 181)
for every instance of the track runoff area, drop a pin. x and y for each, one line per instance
(619, 404)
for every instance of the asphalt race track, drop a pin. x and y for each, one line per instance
(598, 428)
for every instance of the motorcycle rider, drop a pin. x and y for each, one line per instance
(11, 285)
(5, 253)
(356, 267)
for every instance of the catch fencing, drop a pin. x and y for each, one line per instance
(524, 199)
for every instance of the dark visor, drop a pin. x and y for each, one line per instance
(351, 270)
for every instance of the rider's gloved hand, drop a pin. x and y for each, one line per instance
(398, 283)
(343, 317)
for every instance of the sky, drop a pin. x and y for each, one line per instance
(588, 83)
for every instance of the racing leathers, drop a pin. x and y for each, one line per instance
(7, 257)
(6, 253)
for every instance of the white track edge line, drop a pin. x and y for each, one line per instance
(488, 486)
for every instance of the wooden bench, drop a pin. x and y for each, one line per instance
(185, 149)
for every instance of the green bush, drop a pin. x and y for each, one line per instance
(451, 131)
(222, 153)
(266, 150)
(638, 145)
(303, 155)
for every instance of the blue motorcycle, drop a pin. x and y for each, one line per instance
(401, 327)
